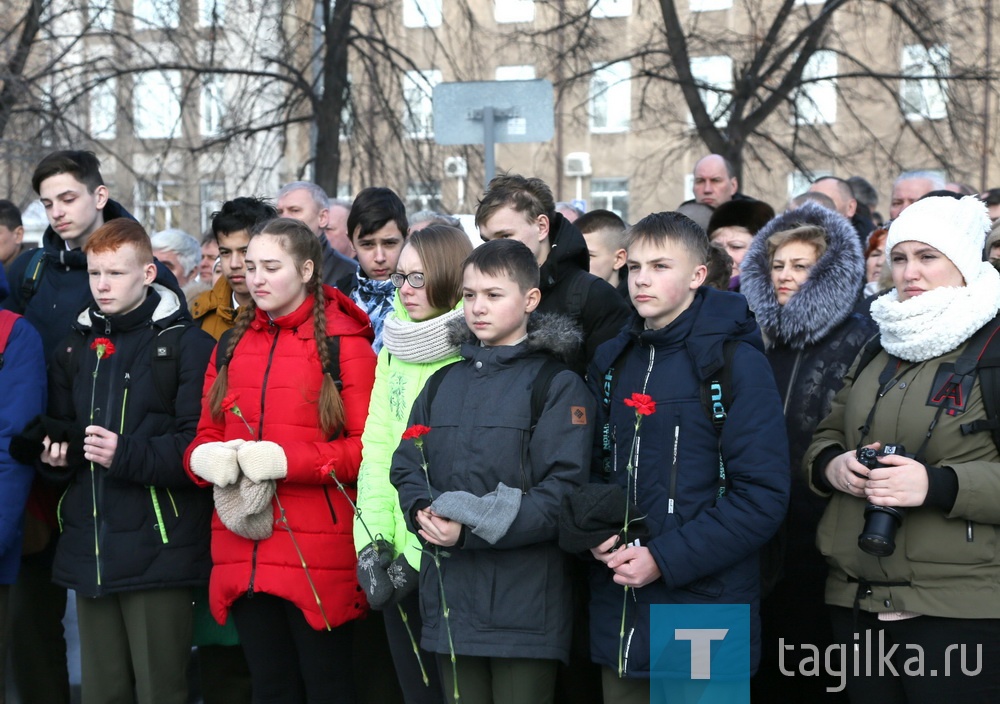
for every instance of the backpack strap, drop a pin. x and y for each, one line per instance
(7, 320)
(576, 296)
(868, 353)
(717, 399)
(32, 275)
(983, 356)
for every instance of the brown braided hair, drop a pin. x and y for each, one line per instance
(300, 242)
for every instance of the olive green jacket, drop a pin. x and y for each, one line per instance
(948, 560)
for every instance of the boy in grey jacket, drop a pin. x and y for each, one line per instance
(483, 485)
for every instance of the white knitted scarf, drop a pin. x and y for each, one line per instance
(426, 341)
(936, 322)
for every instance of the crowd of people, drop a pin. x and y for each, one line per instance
(342, 455)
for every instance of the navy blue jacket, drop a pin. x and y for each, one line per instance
(706, 548)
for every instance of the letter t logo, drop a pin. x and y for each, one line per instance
(701, 648)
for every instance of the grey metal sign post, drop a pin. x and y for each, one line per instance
(492, 112)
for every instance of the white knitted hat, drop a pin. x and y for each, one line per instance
(955, 227)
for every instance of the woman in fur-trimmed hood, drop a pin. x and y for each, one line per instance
(802, 277)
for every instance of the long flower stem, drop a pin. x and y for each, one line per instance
(93, 474)
(302, 561)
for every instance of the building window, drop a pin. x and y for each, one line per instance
(925, 95)
(514, 11)
(101, 15)
(611, 8)
(418, 109)
(816, 98)
(424, 196)
(104, 110)
(714, 78)
(611, 97)
(211, 12)
(421, 13)
(515, 73)
(799, 182)
(157, 105)
(213, 195)
(710, 5)
(346, 113)
(155, 14)
(158, 205)
(610, 194)
(213, 107)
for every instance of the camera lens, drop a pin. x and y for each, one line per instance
(879, 535)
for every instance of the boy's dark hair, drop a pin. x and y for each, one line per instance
(658, 228)
(84, 166)
(372, 209)
(991, 197)
(508, 258)
(720, 267)
(244, 213)
(116, 233)
(599, 220)
(10, 216)
(529, 196)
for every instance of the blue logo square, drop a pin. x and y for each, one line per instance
(699, 653)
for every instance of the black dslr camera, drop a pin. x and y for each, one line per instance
(879, 534)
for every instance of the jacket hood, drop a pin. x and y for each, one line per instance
(549, 333)
(167, 310)
(343, 317)
(568, 252)
(712, 318)
(829, 294)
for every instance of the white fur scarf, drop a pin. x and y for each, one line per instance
(426, 341)
(938, 321)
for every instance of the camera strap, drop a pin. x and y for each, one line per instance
(886, 380)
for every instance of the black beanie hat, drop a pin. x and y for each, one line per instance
(751, 214)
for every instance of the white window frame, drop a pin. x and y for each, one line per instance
(521, 72)
(422, 13)
(607, 9)
(799, 182)
(611, 94)
(103, 112)
(213, 104)
(603, 192)
(714, 72)
(148, 204)
(213, 195)
(816, 100)
(418, 106)
(156, 104)
(510, 11)
(924, 98)
(711, 5)
(424, 196)
(155, 14)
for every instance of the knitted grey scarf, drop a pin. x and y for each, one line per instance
(426, 341)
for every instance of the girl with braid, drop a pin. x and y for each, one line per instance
(279, 440)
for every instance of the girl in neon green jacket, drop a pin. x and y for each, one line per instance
(428, 280)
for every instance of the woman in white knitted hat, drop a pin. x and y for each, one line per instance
(911, 537)
(428, 281)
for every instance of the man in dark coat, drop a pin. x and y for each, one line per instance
(524, 209)
(135, 531)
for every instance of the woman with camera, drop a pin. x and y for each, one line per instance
(802, 277)
(917, 613)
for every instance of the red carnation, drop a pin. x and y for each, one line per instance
(415, 431)
(644, 405)
(104, 347)
(229, 402)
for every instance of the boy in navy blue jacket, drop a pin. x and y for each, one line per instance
(702, 548)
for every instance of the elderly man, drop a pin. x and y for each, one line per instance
(842, 194)
(181, 253)
(910, 187)
(714, 180)
(309, 203)
(336, 227)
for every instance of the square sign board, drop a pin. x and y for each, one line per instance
(522, 111)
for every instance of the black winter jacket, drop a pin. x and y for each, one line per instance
(152, 523)
(511, 599)
(63, 289)
(599, 310)
(706, 547)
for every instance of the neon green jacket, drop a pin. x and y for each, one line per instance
(397, 384)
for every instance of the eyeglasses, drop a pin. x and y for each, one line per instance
(415, 279)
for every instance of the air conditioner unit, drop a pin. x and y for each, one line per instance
(456, 167)
(578, 164)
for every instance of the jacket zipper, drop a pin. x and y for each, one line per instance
(631, 632)
(260, 436)
(329, 503)
(791, 380)
(253, 569)
(673, 466)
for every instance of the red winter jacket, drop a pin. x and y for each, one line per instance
(276, 373)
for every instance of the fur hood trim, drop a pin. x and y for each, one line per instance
(827, 297)
(551, 333)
